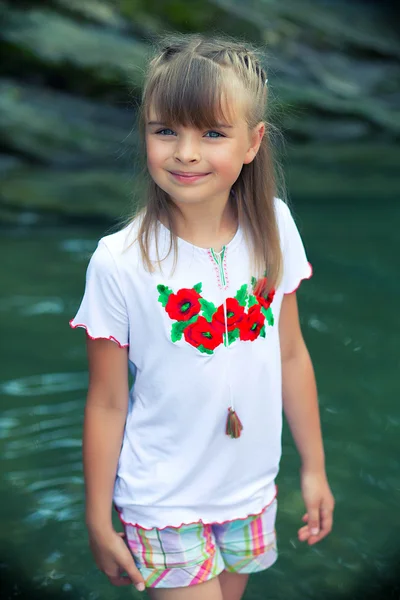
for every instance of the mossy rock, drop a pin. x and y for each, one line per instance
(89, 58)
(79, 195)
(51, 127)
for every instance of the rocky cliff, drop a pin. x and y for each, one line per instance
(73, 70)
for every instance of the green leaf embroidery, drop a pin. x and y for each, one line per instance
(262, 331)
(252, 301)
(233, 335)
(241, 295)
(253, 282)
(165, 293)
(208, 309)
(198, 287)
(179, 327)
(267, 312)
(204, 350)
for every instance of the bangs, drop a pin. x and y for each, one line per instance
(195, 93)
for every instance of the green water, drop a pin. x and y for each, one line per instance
(350, 319)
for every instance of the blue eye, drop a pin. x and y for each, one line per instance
(217, 134)
(162, 132)
(167, 132)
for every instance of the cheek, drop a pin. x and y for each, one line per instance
(155, 154)
(230, 157)
(230, 164)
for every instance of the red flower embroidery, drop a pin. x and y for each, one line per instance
(266, 302)
(183, 305)
(234, 313)
(203, 333)
(250, 327)
(203, 325)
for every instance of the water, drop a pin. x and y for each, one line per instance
(350, 320)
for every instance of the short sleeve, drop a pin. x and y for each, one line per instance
(295, 263)
(103, 311)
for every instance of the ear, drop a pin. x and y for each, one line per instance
(256, 137)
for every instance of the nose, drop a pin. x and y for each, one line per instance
(187, 150)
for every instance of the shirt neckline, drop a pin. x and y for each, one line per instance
(185, 244)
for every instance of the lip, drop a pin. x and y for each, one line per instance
(187, 173)
(187, 177)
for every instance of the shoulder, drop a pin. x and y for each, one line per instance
(283, 216)
(123, 240)
(112, 252)
(122, 250)
(116, 248)
(286, 222)
(282, 212)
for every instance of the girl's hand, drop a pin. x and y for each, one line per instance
(319, 503)
(113, 557)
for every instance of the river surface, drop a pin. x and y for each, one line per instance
(350, 319)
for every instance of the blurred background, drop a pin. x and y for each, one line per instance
(70, 78)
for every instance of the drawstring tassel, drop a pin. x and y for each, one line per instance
(233, 424)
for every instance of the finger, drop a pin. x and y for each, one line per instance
(134, 574)
(121, 533)
(326, 525)
(314, 521)
(326, 519)
(325, 530)
(305, 518)
(303, 534)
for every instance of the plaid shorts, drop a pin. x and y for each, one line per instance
(191, 554)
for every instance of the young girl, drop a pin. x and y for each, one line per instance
(196, 296)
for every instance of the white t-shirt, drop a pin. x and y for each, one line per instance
(177, 464)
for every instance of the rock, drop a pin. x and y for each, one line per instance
(9, 163)
(302, 126)
(103, 56)
(74, 73)
(97, 11)
(51, 127)
(327, 25)
(88, 195)
(305, 73)
(312, 98)
(127, 17)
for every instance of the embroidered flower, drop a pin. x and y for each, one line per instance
(183, 305)
(202, 324)
(234, 313)
(203, 335)
(266, 302)
(252, 325)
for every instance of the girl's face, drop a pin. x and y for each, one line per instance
(193, 165)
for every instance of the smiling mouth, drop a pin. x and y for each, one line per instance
(188, 174)
(188, 178)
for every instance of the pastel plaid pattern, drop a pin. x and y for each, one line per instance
(191, 554)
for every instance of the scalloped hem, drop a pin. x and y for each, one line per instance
(302, 279)
(126, 523)
(110, 337)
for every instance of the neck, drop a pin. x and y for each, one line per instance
(208, 225)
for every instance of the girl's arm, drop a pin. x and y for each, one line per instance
(105, 416)
(300, 404)
(104, 423)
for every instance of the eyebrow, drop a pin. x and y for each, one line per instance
(217, 125)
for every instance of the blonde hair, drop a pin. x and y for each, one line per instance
(186, 84)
